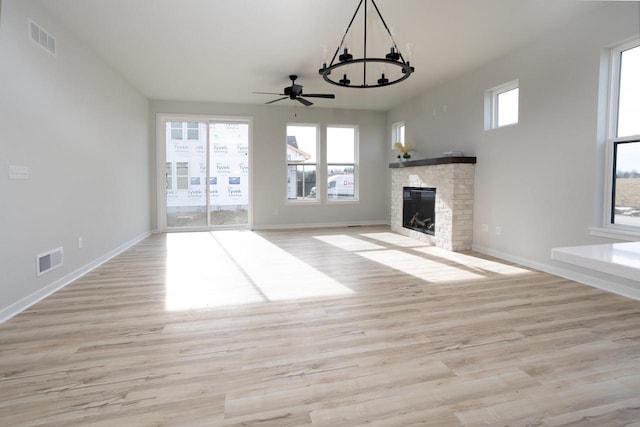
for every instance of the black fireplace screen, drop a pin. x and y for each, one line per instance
(419, 209)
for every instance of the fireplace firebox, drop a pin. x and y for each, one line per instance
(419, 209)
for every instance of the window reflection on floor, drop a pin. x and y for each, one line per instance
(233, 267)
(224, 268)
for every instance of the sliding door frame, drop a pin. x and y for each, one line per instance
(160, 167)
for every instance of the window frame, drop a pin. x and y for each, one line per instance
(398, 133)
(355, 164)
(610, 228)
(316, 164)
(492, 105)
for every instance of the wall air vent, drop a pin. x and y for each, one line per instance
(49, 261)
(43, 38)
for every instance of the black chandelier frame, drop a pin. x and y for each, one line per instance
(394, 57)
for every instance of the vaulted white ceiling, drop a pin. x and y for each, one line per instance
(223, 50)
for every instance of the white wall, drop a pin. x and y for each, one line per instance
(83, 132)
(269, 162)
(537, 180)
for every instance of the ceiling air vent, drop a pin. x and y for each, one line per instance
(42, 37)
(49, 261)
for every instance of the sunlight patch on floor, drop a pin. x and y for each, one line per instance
(278, 274)
(395, 239)
(234, 267)
(420, 267)
(473, 263)
(201, 275)
(349, 243)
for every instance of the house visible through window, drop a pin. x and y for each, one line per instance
(341, 163)
(302, 154)
(624, 136)
(501, 105)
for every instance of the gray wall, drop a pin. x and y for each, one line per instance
(83, 132)
(269, 162)
(539, 180)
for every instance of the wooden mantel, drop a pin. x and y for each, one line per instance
(434, 161)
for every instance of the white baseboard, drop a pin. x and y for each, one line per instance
(586, 279)
(320, 225)
(26, 302)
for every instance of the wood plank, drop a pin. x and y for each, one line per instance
(344, 326)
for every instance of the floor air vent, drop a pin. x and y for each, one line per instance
(49, 261)
(42, 37)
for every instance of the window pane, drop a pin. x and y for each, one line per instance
(341, 159)
(301, 144)
(340, 145)
(507, 107)
(176, 130)
(397, 132)
(341, 182)
(193, 131)
(301, 182)
(629, 97)
(182, 174)
(627, 184)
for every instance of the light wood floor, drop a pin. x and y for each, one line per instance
(339, 327)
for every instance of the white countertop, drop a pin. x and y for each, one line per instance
(618, 259)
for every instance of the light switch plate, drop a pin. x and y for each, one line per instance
(18, 172)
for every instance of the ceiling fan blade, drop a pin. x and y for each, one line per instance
(276, 100)
(268, 93)
(320, 95)
(304, 101)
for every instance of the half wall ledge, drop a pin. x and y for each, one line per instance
(617, 259)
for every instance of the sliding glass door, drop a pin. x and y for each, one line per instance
(206, 170)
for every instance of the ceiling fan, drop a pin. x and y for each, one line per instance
(295, 92)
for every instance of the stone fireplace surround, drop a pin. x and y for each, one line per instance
(453, 178)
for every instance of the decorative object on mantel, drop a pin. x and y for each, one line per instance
(452, 154)
(393, 67)
(404, 149)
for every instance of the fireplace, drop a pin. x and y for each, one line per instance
(419, 209)
(452, 207)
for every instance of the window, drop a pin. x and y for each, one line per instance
(397, 133)
(626, 183)
(501, 105)
(341, 163)
(193, 131)
(182, 175)
(176, 130)
(302, 154)
(624, 137)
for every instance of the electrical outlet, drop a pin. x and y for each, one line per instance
(498, 230)
(485, 228)
(80, 243)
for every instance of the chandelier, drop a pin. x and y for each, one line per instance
(392, 68)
